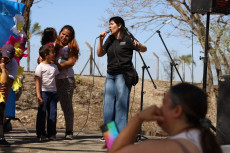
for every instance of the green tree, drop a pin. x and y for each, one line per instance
(186, 60)
(167, 64)
(34, 30)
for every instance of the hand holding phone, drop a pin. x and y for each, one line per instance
(110, 133)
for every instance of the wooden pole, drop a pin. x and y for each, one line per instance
(90, 58)
(183, 69)
(157, 65)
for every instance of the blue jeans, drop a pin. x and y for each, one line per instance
(116, 100)
(50, 105)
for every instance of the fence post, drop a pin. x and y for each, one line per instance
(90, 58)
(91, 61)
(157, 65)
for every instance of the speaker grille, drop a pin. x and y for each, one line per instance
(210, 6)
(221, 6)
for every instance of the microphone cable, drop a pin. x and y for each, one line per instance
(90, 95)
(134, 89)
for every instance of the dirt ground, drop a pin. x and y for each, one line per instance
(87, 104)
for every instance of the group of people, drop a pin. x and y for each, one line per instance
(55, 81)
(181, 115)
(55, 76)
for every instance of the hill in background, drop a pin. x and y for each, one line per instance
(88, 103)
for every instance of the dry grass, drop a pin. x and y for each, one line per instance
(87, 103)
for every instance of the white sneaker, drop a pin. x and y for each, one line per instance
(102, 139)
(69, 136)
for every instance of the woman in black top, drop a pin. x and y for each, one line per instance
(119, 48)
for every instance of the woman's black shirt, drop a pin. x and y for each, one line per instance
(119, 53)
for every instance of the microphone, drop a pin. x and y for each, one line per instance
(167, 22)
(107, 31)
(163, 24)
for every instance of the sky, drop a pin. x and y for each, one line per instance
(85, 15)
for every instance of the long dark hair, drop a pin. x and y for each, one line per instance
(194, 103)
(72, 44)
(118, 20)
(48, 35)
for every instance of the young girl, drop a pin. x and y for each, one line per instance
(49, 37)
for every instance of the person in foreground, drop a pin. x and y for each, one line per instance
(119, 49)
(182, 116)
(3, 81)
(9, 64)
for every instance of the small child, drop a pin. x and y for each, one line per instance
(3, 81)
(46, 79)
(49, 37)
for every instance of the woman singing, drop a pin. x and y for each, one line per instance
(119, 49)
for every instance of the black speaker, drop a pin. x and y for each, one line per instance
(210, 6)
(223, 111)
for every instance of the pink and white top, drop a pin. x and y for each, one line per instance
(62, 56)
